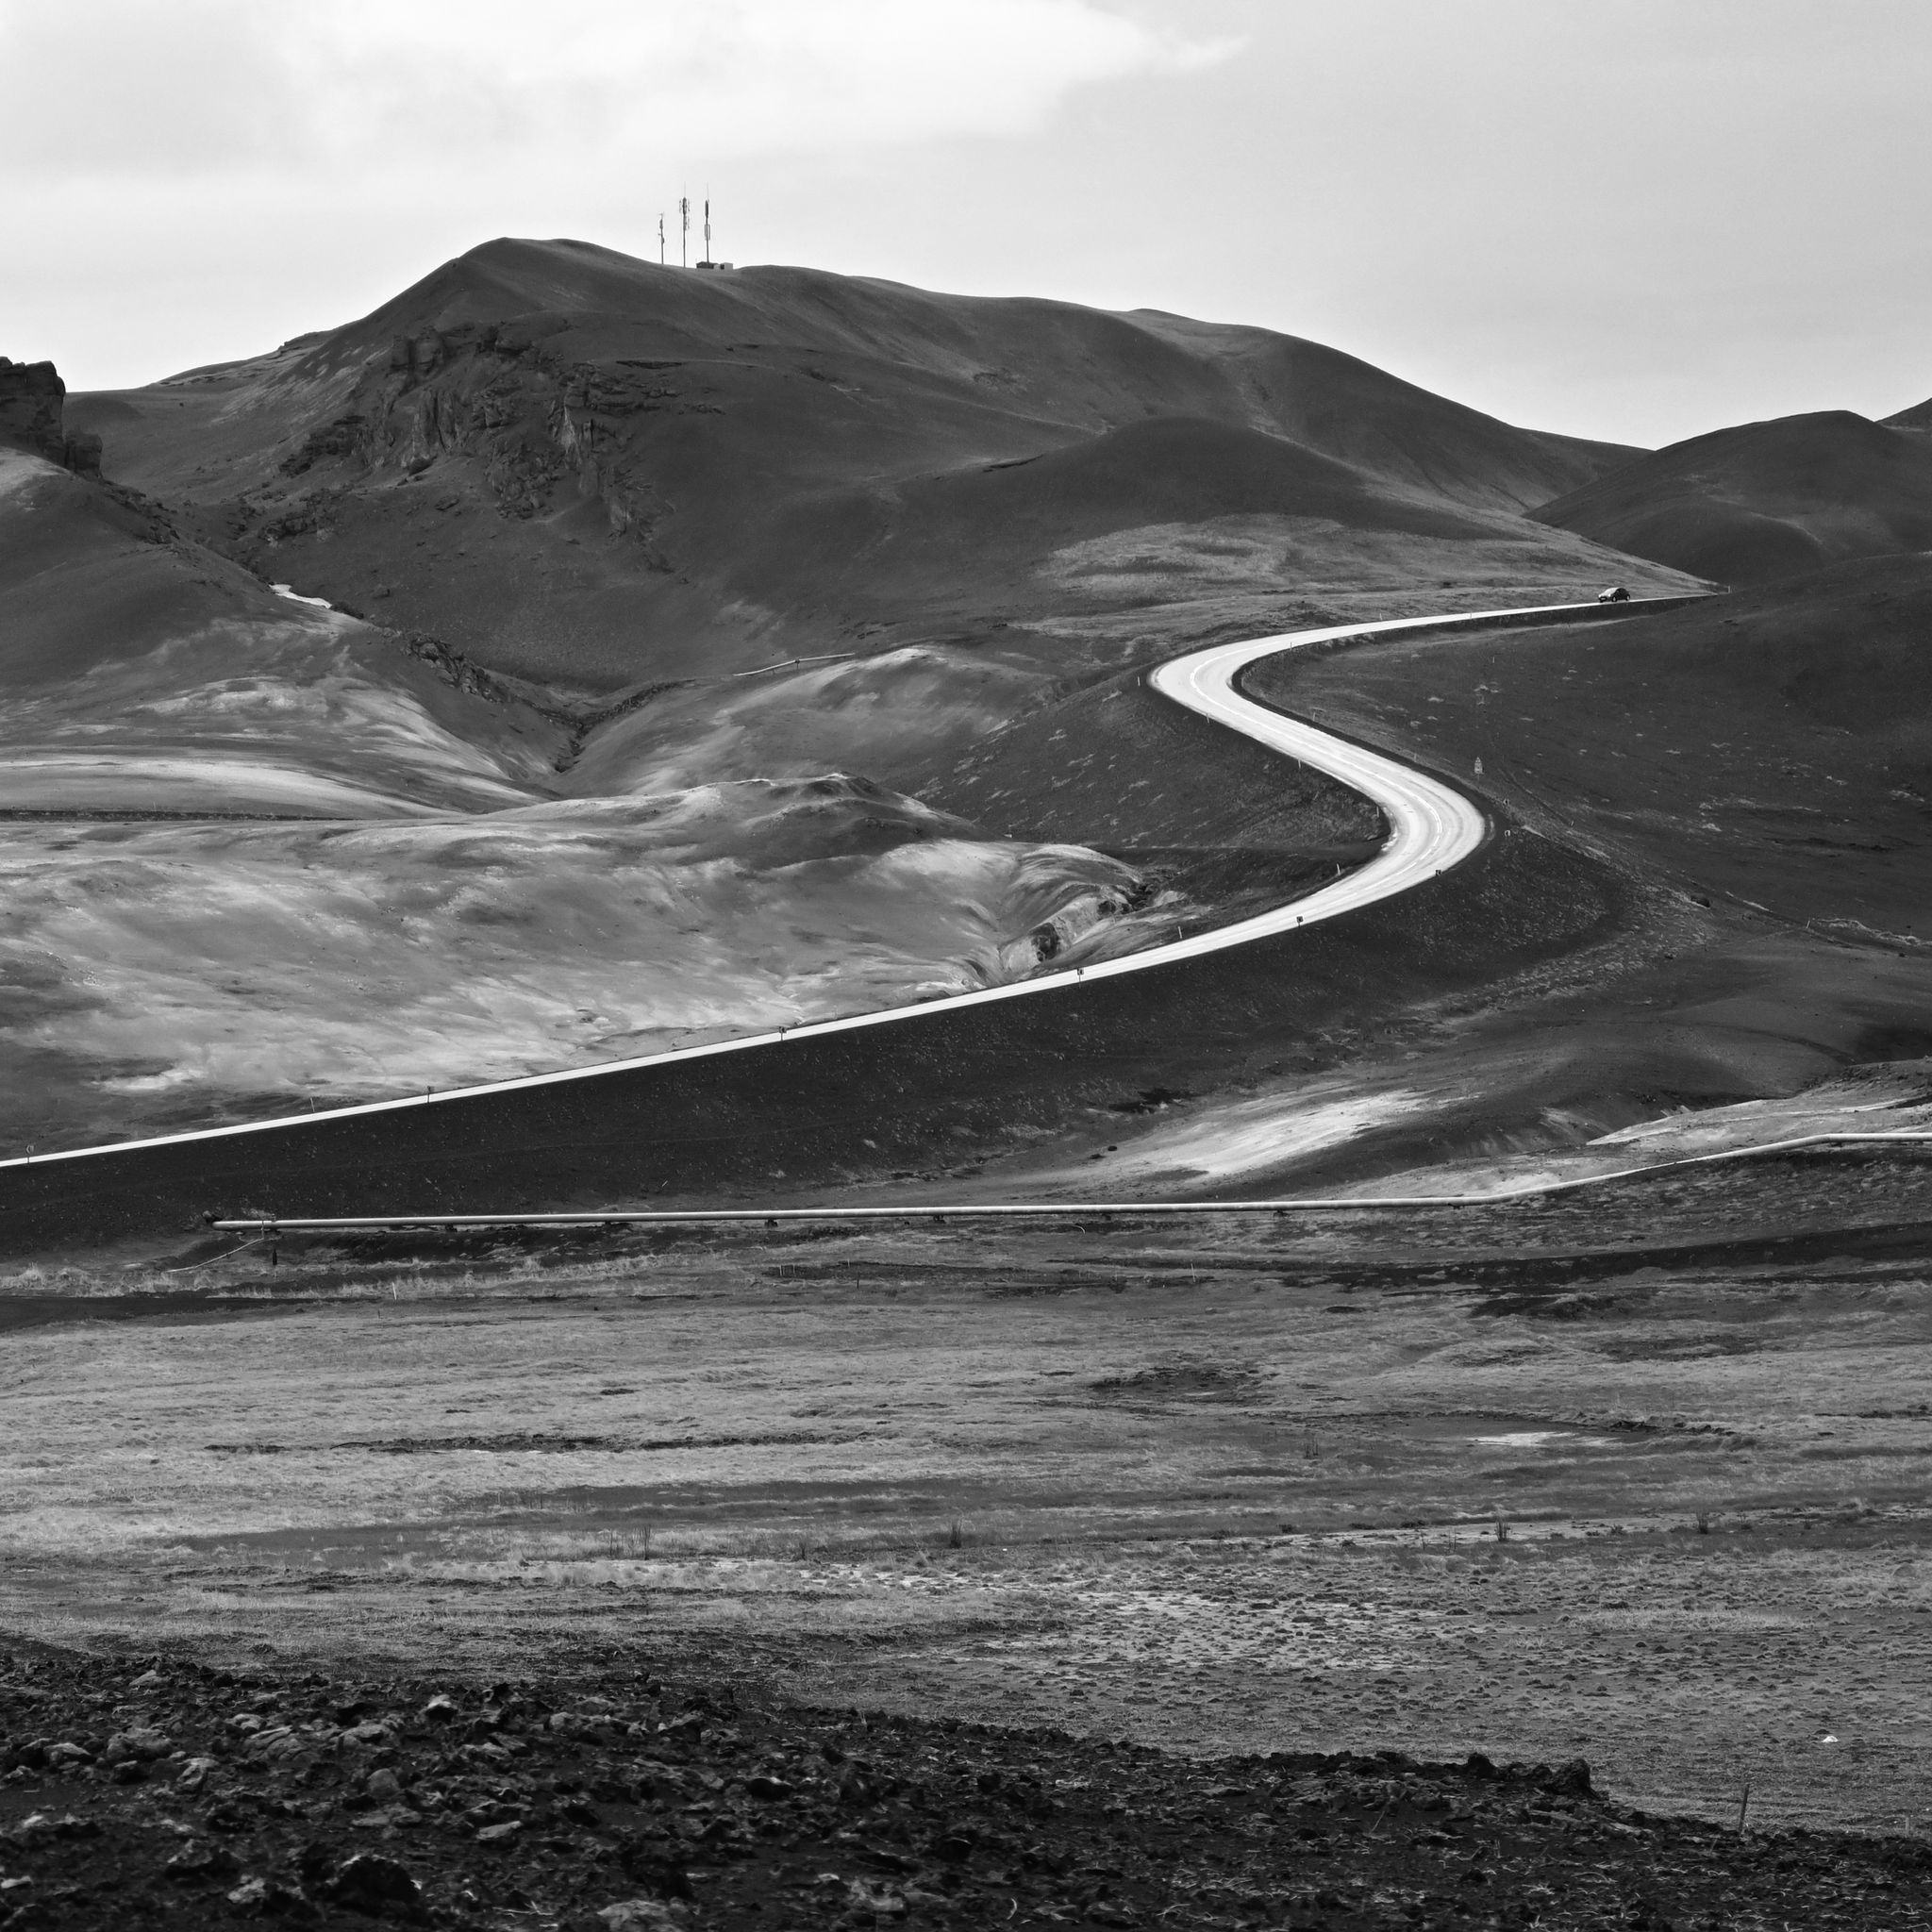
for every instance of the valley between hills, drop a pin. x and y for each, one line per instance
(575, 660)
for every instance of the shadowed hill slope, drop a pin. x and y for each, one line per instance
(944, 538)
(1765, 500)
(598, 471)
(1350, 409)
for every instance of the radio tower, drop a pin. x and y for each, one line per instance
(661, 241)
(684, 236)
(707, 229)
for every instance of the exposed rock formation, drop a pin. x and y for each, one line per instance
(32, 397)
(493, 392)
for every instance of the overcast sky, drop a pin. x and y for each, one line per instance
(1630, 219)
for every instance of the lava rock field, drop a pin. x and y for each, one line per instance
(160, 1792)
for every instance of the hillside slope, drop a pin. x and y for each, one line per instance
(597, 471)
(1764, 500)
(258, 853)
(143, 672)
(1349, 410)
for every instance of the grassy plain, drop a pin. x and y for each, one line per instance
(1592, 1478)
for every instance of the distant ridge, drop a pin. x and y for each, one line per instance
(1765, 500)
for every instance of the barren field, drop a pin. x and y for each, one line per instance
(1580, 1478)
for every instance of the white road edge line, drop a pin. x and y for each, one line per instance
(1431, 828)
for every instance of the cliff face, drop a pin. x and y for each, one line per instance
(32, 399)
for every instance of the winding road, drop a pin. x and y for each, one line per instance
(1431, 827)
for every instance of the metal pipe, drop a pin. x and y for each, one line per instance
(664, 1216)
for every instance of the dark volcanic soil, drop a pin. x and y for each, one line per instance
(162, 1792)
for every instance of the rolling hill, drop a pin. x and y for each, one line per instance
(593, 471)
(1764, 500)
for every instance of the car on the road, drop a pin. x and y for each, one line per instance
(1615, 595)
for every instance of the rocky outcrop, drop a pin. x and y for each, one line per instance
(81, 453)
(497, 393)
(343, 437)
(32, 400)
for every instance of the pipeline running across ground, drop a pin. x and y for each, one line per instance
(1065, 1210)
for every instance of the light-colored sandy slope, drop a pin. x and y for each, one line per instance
(872, 714)
(135, 783)
(1248, 1143)
(173, 975)
(269, 716)
(143, 674)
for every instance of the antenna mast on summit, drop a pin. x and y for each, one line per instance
(708, 227)
(661, 241)
(684, 236)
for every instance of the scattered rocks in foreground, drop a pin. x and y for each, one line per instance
(167, 1794)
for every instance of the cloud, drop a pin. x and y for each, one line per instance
(357, 89)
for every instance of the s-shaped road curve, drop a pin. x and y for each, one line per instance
(1431, 827)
